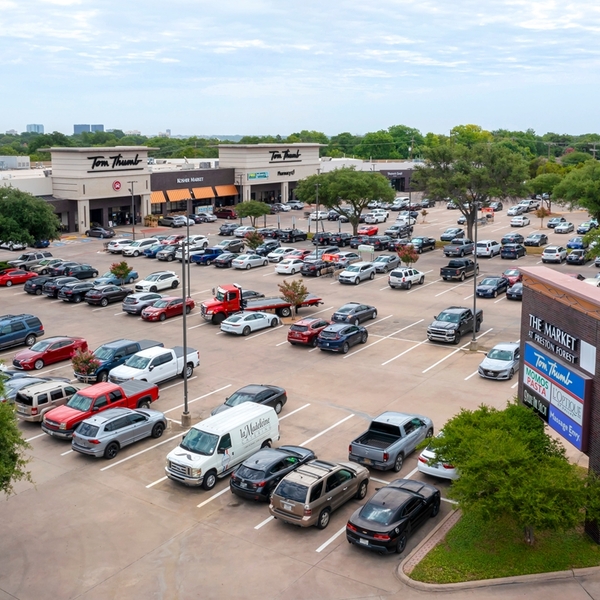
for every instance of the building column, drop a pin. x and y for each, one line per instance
(145, 208)
(83, 214)
(285, 192)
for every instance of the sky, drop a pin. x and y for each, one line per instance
(259, 67)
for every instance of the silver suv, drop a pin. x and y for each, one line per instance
(357, 272)
(29, 259)
(308, 495)
(33, 401)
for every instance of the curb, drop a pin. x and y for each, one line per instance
(438, 534)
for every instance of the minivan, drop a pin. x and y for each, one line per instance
(33, 401)
(214, 447)
(224, 213)
(136, 248)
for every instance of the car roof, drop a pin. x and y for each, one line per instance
(308, 321)
(512, 346)
(108, 415)
(311, 472)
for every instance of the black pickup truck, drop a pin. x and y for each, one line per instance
(451, 324)
(459, 268)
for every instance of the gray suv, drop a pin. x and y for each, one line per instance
(170, 222)
(357, 272)
(29, 259)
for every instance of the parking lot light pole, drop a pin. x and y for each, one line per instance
(473, 345)
(186, 418)
(317, 215)
(132, 209)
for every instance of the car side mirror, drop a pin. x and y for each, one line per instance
(213, 291)
(220, 450)
(151, 368)
(95, 409)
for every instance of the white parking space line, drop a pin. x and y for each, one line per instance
(322, 310)
(514, 385)
(119, 314)
(97, 309)
(331, 539)
(198, 398)
(49, 370)
(471, 375)
(178, 383)
(281, 343)
(403, 353)
(294, 412)
(142, 452)
(449, 289)
(378, 321)
(313, 349)
(200, 292)
(378, 480)
(174, 421)
(499, 299)
(314, 437)
(383, 338)
(196, 326)
(19, 293)
(267, 274)
(449, 501)
(387, 287)
(155, 482)
(251, 337)
(35, 437)
(67, 452)
(467, 297)
(455, 351)
(268, 520)
(213, 497)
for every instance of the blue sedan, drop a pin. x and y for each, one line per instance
(110, 278)
(490, 287)
(153, 250)
(340, 337)
(577, 243)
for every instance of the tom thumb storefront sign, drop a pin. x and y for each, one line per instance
(557, 394)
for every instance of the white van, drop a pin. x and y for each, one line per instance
(215, 446)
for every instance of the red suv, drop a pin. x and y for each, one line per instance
(225, 213)
(305, 331)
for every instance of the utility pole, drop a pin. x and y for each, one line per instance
(549, 144)
(593, 150)
(132, 209)
(186, 417)
(412, 145)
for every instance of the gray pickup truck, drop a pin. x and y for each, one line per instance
(451, 324)
(391, 437)
(458, 268)
(459, 247)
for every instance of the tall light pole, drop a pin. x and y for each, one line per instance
(473, 347)
(186, 418)
(132, 209)
(317, 215)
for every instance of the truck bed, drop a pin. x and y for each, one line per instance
(376, 439)
(132, 387)
(274, 303)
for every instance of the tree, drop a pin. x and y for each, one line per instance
(84, 362)
(346, 190)
(408, 254)
(253, 240)
(294, 292)
(408, 141)
(575, 158)
(541, 213)
(377, 145)
(470, 135)
(581, 187)
(494, 451)
(471, 176)
(12, 448)
(121, 270)
(25, 218)
(545, 184)
(253, 209)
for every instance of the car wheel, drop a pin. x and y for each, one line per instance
(188, 309)
(495, 294)
(511, 374)
(364, 337)
(265, 444)
(77, 299)
(169, 258)
(154, 289)
(246, 330)
(278, 407)
(174, 284)
(247, 266)
(210, 480)
(422, 280)
(477, 326)
(357, 281)
(362, 490)
(456, 341)
(398, 463)
(104, 302)
(436, 508)
(162, 317)
(30, 340)
(38, 292)
(293, 271)
(38, 364)
(318, 273)
(462, 253)
(356, 322)
(401, 543)
(158, 430)
(111, 451)
(102, 376)
(87, 233)
(345, 348)
(408, 285)
(323, 520)
(265, 263)
(314, 342)
(274, 323)
(8, 283)
(130, 280)
(462, 276)
(136, 253)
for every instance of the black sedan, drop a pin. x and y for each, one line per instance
(257, 477)
(340, 337)
(490, 287)
(223, 261)
(268, 232)
(34, 286)
(496, 206)
(75, 291)
(81, 271)
(105, 294)
(228, 228)
(100, 232)
(515, 292)
(380, 242)
(512, 238)
(53, 285)
(291, 235)
(577, 257)
(452, 233)
(395, 511)
(267, 246)
(354, 313)
(536, 239)
(269, 395)
(423, 243)
(512, 251)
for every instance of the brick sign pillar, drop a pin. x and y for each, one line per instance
(560, 377)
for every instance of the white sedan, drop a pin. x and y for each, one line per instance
(520, 221)
(430, 465)
(279, 253)
(247, 261)
(244, 323)
(244, 230)
(320, 215)
(289, 266)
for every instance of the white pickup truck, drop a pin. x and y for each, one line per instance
(156, 365)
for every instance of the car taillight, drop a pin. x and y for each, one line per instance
(350, 526)
(261, 484)
(386, 456)
(350, 448)
(447, 466)
(34, 411)
(381, 536)
(307, 511)
(94, 441)
(422, 459)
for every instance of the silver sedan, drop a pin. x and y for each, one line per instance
(247, 261)
(386, 262)
(244, 323)
(501, 362)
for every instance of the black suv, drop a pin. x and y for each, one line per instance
(19, 329)
(380, 242)
(340, 239)
(292, 235)
(322, 238)
(75, 291)
(267, 246)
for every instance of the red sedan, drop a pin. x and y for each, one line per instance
(513, 276)
(48, 351)
(368, 230)
(172, 239)
(305, 331)
(15, 276)
(167, 307)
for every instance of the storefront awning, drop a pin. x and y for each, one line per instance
(226, 190)
(203, 192)
(178, 195)
(157, 197)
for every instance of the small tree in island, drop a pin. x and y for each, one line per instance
(253, 209)
(253, 240)
(121, 271)
(84, 362)
(408, 255)
(294, 292)
(541, 213)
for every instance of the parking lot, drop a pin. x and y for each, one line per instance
(119, 529)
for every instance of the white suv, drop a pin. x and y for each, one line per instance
(405, 277)
(161, 280)
(488, 248)
(554, 254)
(378, 215)
(136, 248)
(357, 272)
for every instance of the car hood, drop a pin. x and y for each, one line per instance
(492, 364)
(125, 372)
(26, 355)
(444, 325)
(64, 414)
(152, 309)
(104, 281)
(485, 288)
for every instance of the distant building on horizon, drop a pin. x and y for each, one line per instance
(12, 132)
(97, 128)
(133, 132)
(35, 128)
(79, 129)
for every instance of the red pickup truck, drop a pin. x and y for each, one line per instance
(63, 420)
(227, 300)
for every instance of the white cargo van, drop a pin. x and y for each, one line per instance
(213, 447)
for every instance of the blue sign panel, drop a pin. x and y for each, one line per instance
(566, 427)
(554, 371)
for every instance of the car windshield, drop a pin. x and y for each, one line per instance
(292, 491)
(352, 268)
(107, 274)
(137, 362)
(161, 303)
(153, 277)
(416, 241)
(497, 354)
(239, 398)
(488, 281)
(103, 353)
(448, 317)
(199, 442)
(87, 429)
(511, 272)
(41, 346)
(80, 402)
(378, 514)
